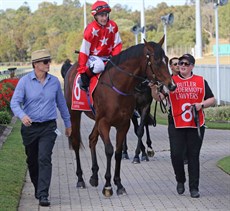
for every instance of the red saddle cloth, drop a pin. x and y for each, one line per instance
(79, 97)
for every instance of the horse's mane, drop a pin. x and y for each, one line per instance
(134, 52)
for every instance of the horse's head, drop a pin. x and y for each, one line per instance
(157, 64)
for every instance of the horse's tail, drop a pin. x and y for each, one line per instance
(70, 143)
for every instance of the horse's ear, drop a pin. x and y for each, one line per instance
(162, 40)
(147, 44)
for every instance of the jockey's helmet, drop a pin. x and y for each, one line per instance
(100, 7)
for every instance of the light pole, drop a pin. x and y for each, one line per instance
(143, 21)
(216, 4)
(198, 47)
(167, 20)
(85, 19)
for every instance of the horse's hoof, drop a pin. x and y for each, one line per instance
(93, 182)
(150, 152)
(136, 160)
(107, 191)
(80, 184)
(121, 191)
(125, 156)
(144, 158)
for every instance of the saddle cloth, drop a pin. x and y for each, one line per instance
(80, 100)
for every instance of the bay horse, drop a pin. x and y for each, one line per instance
(114, 103)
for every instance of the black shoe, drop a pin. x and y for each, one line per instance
(185, 161)
(194, 194)
(180, 188)
(44, 202)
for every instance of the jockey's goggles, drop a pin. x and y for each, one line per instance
(102, 7)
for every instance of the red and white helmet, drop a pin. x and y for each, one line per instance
(99, 7)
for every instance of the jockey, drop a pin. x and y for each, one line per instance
(101, 40)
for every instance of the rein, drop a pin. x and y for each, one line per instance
(129, 74)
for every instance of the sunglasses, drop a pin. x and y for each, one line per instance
(46, 61)
(184, 63)
(175, 64)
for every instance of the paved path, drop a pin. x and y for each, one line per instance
(150, 185)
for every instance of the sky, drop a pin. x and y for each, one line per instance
(132, 4)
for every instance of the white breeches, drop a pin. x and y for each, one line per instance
(96, 63)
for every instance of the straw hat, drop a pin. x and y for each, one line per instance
(40, 55)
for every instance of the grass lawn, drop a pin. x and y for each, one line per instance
(224, 164)
(12, 170)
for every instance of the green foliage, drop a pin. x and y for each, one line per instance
(5, 117)
(60, 27)
(218, 114)
(224, 164)
(214, 117)
(12, 170)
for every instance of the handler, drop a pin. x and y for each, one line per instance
(186, 118)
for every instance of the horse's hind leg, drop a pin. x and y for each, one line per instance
(75, 140)
(93, 138)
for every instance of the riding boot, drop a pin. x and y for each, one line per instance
(84, 82)
(85, 79)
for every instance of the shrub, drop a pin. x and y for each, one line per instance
(5, 117)
(218, 114)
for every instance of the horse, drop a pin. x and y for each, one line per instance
(114, 103)
(143, 106)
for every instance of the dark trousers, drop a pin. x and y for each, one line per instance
(39, 141)
(182, 139)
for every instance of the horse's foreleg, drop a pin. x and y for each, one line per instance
(140, 132)
(150, 151)
(104, 129)
(121, 133)
(93, 138)
(125, 149)
(135, 124)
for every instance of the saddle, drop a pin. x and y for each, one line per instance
(82, 100)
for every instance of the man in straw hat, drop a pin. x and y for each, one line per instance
(34, 102)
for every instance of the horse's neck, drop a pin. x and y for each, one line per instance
(124, 80)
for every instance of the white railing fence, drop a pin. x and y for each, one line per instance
(209, 73)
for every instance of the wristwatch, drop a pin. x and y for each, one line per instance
(202, 105)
